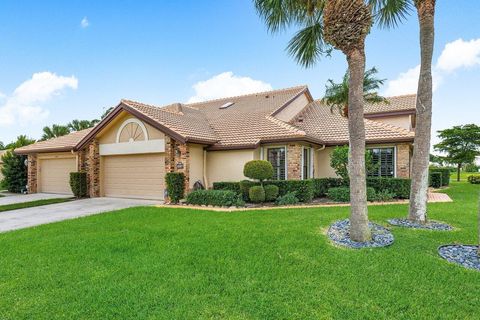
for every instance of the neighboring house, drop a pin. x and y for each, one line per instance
(128, 153)
(2, 152)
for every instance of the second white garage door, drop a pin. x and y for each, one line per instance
(134, 176)
(55, 175)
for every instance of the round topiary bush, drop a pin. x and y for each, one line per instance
(257, 194)
(258, 170)
(271, 192)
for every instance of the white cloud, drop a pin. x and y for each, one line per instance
(24, 105)
(226, 84)
(458, 54)
(84, 23)
(455, 55)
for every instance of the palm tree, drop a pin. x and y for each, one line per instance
(336, 94)
(54, 131)
(77, 125)
(22, 141)
(343, 25)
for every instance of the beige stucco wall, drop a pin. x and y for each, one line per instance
(227, 165)
(399, 121)
(289, 112)
(109, 134)
(322, 163)
(196, 164)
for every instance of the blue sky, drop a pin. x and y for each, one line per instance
(64, 60)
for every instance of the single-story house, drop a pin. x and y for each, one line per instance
(129, 152)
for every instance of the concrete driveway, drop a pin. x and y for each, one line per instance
(11, 198)
(29, 217)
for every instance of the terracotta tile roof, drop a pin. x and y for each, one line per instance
(63, 143)
(319, 121)
(395, 104)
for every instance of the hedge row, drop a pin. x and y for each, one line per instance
(219, 198)
(445, 172)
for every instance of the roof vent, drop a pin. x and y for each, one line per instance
(226, 105)
(300, 119)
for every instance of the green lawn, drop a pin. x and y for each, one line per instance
(36, 203)
(148, 263)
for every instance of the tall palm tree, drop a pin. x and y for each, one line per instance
(421, 151)
(54, 131)
(77, 125)
(342, 25)
(336, 94)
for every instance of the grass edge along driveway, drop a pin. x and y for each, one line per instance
(30, 204)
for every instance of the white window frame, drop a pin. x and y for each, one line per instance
(263, 157)
(310, 169)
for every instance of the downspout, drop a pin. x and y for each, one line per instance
(205, 180)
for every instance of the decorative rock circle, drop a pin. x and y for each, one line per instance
(464, 255)
(339, 233)
(429, 225)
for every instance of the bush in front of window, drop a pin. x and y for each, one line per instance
(258, 170)
(218, 198)
(445, 174)
(342, 194)
(339, 162)
(436, 180)
(257, 194)
(289, 198)
(78, 184)
(400, 187)
(474, 179)
(175, 186)
(303, 188)
(271, 192)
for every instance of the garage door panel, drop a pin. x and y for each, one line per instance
(134, 176)
(55, 175)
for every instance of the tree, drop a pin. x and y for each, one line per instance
(14, 169)
(54, 131)
(461, 144)
(2, 146)
(339, 162)
(258, 170)
(437, 160)
(78, 125)
(336, 94)
(343, 25)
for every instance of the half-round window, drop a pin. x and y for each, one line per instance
(132, 130)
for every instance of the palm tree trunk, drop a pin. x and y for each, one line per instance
(359, 230)
(421, 150)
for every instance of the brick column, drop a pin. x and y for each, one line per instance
(32, 171)
(294, 162)
(403, 160)
(93, 169)
(177, 159)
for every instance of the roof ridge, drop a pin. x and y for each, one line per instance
(247, 95)
(285, 125)
(402, 95)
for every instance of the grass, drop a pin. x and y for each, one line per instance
(29, 204)
(183, 264)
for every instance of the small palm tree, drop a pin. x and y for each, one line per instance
(54, 131)
(336, 94)
(77, 125)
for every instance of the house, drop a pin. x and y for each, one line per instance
(128, 153)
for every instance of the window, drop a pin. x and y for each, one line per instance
(276, 156)
(384, 158)
(307, 163)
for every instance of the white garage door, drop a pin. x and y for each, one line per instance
(134, 176)
(55, 175)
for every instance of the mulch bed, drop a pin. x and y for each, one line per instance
(463, 255)
(339, 233)
(429, 225)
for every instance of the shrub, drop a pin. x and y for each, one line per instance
(271, 192)
(219, 198)
(321, 185)
(342, 194)
(471, 167)
(303, 188)
(245, 186)
(384, 195)
(175, 186)
(436, 179)
(257, 194)
(474, 179)
(258, 170)
(445, 174)
(399, 187)
(339, 161)
(14, 172)
(287, 199)
(78, 183)
(232, 186)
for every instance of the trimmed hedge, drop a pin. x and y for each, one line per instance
(271, 192)
(342, 194)
(399, 187)
(232, 186)
(474, 179)
(303, 188)
(445, 174)
(287, 199)
(78, 184)
(258, 170)
(256, 194)
(435, 179)
(321, 185)
(175, 186)
(219, 198)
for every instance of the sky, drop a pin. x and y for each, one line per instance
(65, 60)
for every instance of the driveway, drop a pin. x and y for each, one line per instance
(29, 217)
(11, 198)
